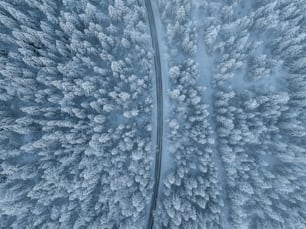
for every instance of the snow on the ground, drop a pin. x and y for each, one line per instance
(205, 79)
(164, 57)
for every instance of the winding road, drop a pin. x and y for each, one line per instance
(159, 107)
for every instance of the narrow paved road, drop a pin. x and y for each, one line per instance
(159, 107)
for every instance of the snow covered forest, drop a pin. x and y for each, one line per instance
(152, 114)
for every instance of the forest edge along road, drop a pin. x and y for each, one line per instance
(159, 107)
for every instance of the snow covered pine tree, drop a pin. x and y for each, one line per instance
(88, 88)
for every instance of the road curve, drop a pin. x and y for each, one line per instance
(159, 107)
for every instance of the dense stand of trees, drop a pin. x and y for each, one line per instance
(76, 114)
(261, 123)
(75, 98)
(258, 110)
(190, 196)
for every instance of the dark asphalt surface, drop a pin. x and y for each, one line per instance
(159, 97)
